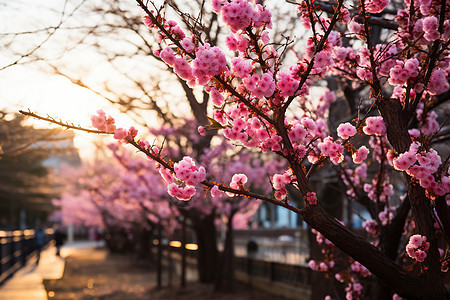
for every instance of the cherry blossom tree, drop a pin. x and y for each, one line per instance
(205, 210)
(107, 195)
(263, 104)
(126, 195)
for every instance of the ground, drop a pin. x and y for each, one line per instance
(96, 274)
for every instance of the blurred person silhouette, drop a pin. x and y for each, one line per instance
(39, 238)
(59, 237)
(97, 238)
(252, 248)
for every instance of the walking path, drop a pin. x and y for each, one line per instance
(86, 271)
(27, 282)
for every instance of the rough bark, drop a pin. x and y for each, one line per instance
(389, 244)
(205, 231)
(358, 248)
(397, 132)
(332, 202)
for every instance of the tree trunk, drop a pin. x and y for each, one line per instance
(389, 243)
(397, 131)
(225, 281)
(333, 204)
(205, 230)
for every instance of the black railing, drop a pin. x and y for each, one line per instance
(16, 247)
(294, 275)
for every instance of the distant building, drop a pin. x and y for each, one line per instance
(28, 155)
(63, 148)
(273, 216)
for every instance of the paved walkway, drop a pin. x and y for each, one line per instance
(27, 282)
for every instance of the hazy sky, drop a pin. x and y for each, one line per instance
(33, 85)
(27, 85)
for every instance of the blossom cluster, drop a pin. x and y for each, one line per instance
(385, 216)
(376, 6)
(375, 126)
(371, 227)
(428, 122)
(422, 164)
(417, 246)
(346, 130)
(209, 61)
(379, 192)
(311, 198)
(401, 72)
(186, 176)
(279, 182)
(332, 149)
(360, 155)
(353, 290)
(321, 266)
(259, 87)
(106, 123)
(240, 14)
(320, 239)
(187, 171)
(103, 122)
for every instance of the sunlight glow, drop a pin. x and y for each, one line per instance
(56, 96)
(176, 244)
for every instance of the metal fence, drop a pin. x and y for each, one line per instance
(294, 275)
(274, 250)
(16, 247)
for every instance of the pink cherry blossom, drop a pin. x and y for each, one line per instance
(311, 198)
(360, 155)
(376, 6)
(238, 181)
(168, 55)
(417, 246)
(375, 126)
(346, 130)
(438, 83)
(215, 192)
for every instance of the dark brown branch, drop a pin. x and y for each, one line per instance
(61, 123)
(169, 165)
(372, 20)
(380, 265)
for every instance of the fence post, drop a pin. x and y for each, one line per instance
(183, 253)
(23, 249)
(272, 271)
(159, 262)
(2, 253)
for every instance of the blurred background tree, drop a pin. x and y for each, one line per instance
(28, 158)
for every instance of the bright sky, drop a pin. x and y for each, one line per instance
(24, 88)
(27, 87)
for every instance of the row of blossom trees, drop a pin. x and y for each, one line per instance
(393, 74)
(129, 195)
